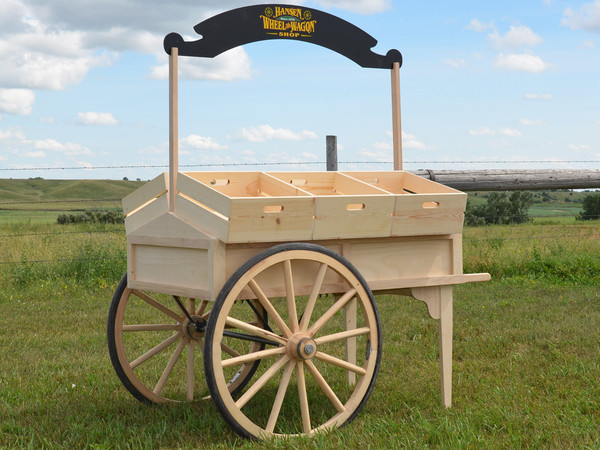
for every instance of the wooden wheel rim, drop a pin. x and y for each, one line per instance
(217, 324)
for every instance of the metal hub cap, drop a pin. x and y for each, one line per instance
(306, 348)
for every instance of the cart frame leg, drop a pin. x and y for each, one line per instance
(439, 306)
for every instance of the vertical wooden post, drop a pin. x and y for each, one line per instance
(173, 128)
(396, 119)
(446, 344)
(332, 161)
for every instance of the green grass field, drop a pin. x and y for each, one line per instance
(526, 351)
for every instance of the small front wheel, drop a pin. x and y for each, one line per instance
(156, 341)
(322, 355)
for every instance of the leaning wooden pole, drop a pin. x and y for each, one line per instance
(173, 128)
(396, 119)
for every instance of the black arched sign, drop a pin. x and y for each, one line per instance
(264, 22)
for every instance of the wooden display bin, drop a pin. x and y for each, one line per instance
(422, 207)
(345, 207)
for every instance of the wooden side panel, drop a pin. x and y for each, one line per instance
(423, 214)
(170, 269)
(272, 219)
(342, 217)
(395, 259)
(146, 193)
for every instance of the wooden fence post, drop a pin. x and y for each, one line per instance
(332, 161)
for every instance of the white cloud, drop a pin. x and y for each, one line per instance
(307, 155)
(16, 101)
(510, 132)
(231, 65)
(264, 133)
(68, 149)
(586, 18)
(588, 44)
(200, 142)
(411, 141)
(578, 147)
(521, 62)
(12, 134)
(380, 156)
(487, 131)
(32, 154)
(483, 131)
(479, 26)
(54, 44)
(455, 62)
(530, 96)
(358, 6)
(38, 56)
(515, 37)
(97, 118)
(531, 123)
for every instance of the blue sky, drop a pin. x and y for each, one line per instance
(484, 85)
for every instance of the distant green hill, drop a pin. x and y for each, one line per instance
(20, 199)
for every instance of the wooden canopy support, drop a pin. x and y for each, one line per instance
(396, 118)
(173, 128)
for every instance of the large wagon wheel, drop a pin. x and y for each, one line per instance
(325, 352)
(154, 341)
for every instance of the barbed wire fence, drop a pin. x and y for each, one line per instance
(120, 230)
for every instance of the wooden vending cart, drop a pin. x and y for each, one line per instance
(265, 280)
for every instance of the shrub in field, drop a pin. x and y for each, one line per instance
(90, 216)
(500, 209)
(591, 208)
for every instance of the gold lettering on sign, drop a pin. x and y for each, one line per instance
(288, 22)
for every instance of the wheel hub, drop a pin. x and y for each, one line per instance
(301, 347)
(195, 329)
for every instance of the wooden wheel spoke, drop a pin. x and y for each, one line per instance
(258, 384)
(152, 327)
(202, 307)
(254, 330)
(312, 299)
(304, 412)
(229, 350)
(340, 363)
(269, 308)
(325, 387)
(331, 311)
(342, 335)
(165, 375)
(155, 351)
(190, 371)
(254, 356)
(283, 385)
(162, 308)
(290, 295)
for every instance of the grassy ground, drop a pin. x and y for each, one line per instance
(526, 353)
